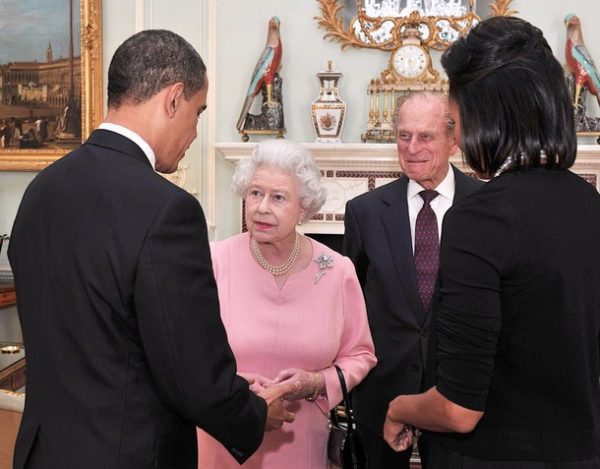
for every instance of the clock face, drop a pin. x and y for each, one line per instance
(410, 61)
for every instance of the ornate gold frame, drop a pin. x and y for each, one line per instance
(91, 93)
(333, 23)
(429, 32)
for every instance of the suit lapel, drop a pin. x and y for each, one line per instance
(461, 185)
(394, 217)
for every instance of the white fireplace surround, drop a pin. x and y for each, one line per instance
(349, 169)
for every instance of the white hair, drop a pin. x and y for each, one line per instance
(290, 157)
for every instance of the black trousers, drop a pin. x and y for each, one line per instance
(381, 456)
(442, 458)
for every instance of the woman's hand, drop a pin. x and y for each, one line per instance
(309, 384)
(258, 383)
(397, 434)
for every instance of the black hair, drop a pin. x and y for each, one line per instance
(149, 61)
(512, 96)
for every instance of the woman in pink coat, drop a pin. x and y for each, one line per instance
(292, 307)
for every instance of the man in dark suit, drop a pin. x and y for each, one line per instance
(126, 352)
(380, 238)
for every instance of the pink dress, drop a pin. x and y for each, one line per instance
(308, 324)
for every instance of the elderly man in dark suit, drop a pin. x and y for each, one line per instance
(126, 352)
(392, 236)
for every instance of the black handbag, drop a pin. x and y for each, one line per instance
(345, 447)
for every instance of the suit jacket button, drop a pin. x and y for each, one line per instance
(414, 367)
(236, 452)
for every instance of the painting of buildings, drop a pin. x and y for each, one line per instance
(40, 74)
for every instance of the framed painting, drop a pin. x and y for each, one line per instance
(50, 79)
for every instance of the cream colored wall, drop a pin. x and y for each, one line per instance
(230, 35)
(241, 36)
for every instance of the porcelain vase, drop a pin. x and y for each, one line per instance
(328, 110)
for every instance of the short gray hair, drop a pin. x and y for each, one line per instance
(291, 158)
(427, 94)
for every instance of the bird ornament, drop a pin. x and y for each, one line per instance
(264, 73)
(580, 60)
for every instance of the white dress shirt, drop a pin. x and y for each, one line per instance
(134, 137)
(440, 204)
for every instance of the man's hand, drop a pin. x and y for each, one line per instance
(277, 414)
(258, 383)
(397, 434)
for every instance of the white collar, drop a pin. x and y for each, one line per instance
(134, 137)
(444, 188)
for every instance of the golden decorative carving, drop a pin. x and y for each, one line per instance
(409, 38)
(500, 8)
(178, 177)
(91, 38)
(383, 94)
(334, 24)
(434, 26)
(431, 27)
(91, 94)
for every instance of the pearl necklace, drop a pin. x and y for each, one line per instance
(276, 269)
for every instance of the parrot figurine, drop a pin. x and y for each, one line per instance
(580, 60)
(265, 70)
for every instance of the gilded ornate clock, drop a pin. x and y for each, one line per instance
(409, 31)
(410, 61)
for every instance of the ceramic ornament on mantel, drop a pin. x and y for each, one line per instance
(328, 110)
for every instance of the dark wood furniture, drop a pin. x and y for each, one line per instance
(12, 355)
(7, 293)
(12, 366)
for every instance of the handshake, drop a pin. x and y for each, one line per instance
(290, 385)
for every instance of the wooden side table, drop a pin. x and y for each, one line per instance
(7, 293)
(12, 366)
(12, 355)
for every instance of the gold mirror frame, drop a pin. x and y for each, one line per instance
(91, 93)
(333, 23)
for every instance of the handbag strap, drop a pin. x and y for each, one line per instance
(349, 414)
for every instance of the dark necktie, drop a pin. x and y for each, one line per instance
(427, 249)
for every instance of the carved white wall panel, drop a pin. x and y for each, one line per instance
(351, 169)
